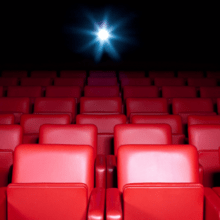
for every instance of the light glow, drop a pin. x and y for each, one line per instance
(103, 34)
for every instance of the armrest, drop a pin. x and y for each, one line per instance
(201, 173)
(3, 203)
(100, 171)
(212, 205)
(113, 204)
(111, 171)
(97, 204)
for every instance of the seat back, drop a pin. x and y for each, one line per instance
(210, 92)
(135, 82)
(190, 74)
(7, 119)
(24, 91)
(169, 82)
(73, 74)
(201, 82)
(131, 74)
(1, 91)
(159, 74)
(213, 74)
(203, 120)
(69, 82)
(102, 74)
(43, 74)
(178, 92)
(100, 105)
(102, 81)
(14, 73)
(9, 81)
(69, 134)
(101, 91)
(141, 134)
(140, 92)
(36, 81)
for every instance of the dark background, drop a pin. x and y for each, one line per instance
(37, 34)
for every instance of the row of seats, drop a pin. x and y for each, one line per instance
(108, 74)
(154, 182)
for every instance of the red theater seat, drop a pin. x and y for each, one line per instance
(201, 82)
(1, 91)
(105, 125)
(213, 74)
(140, 92)
(135, 82)
(31, 125)
(10, 136)
(159, 74)
(7, 119)
(190, 74)
(43, 82)
(203, 120)
(125, 134)
(146, 106)
(102, 74)
(192, 106)
(60, 186)
(102, 81)
(8, 81)
(14, 73)
(131, 74)
(156, 182)
(206, 139)
(76, 135)
(100, 105)
(56, 106)
(101, 91)
(73, 74)
(69, 82)
(15, 106)
(210, 92)
(169, 82)
(174, 121)
(43, 74)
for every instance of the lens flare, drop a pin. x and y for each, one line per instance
(103, 34)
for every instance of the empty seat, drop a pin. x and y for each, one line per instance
(218, 105)
(131, 74)
(64, 92)
(54, 188)
(174, 121)
(102, 74)
(146, 106)
(169, 82)
(36, 82)
(190, 74)
(69, 82)
(8, 81)
(105, 125)
(15, 106)
(31, 125)
(213, 74)
(156, 182)
(140, 92)
(14, 73)
(101, 91)
(7, 119)
(210, 92)
(206, 139)
(56, 106)
(1, 91)
(203, 120)
(192, 106)
(100, 105)
(163, 74)
(76, 135)
(102, 81)
(11, 136)
(127, 134)
(201, 82)
(73, 74)
(44, 74)
(135, 82)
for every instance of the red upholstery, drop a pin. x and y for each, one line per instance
(190, 74)
(60, 190)
(174, 121)
(7, 119)
(102, 74)
(105, 125)
(14, 73)
(15, 106)
(101, 91)
(218, 105)
(64, 91)
(201, 82)
(169, 82)
(210, 92)
(146, 106)
(141, 134)
(73, 74)
(43, 74)
(31, 125)
(158, 74)
(100, 105)
(1, 91)
(140, 92)
(203, 120)
(56, 106)
(160, 182)
(102, 81)
(69, 82)
(213, 74)
(36, 82)
(3, 203)
(135, 82)
(131, 74)
(8, 81)
(11, 136)
(206, 139)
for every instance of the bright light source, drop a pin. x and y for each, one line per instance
(103, 34)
